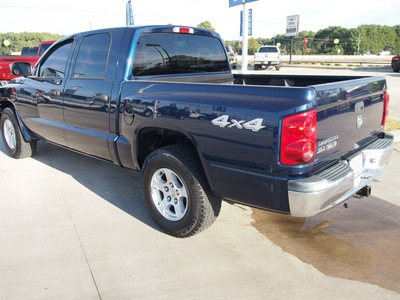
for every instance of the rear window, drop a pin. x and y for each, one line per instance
(268, 49)
(29, 51)
(170, 53)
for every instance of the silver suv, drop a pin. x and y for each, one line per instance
(267, 56)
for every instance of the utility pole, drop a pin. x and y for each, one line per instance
(359, 42)
(291, 50)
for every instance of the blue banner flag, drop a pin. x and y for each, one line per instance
(129, 14)
(250, 27)
(238, 2)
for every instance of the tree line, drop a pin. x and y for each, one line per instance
(14, 42)
(365, 39)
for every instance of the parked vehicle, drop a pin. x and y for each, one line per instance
(267, 56)
(396, 63)
(30, 51)
(232, 56)
(29, 54)
(162, 100)
(384, 53)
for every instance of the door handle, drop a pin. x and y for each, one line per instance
(55, 92)
(100, 97)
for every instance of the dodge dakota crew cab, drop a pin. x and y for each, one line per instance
(162, 100)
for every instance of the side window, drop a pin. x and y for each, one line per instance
(55, 63)
(92, 58)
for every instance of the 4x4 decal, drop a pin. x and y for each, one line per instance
(223, 121)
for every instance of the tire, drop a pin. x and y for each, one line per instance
(396, 70)
(176, 192)
(148, 112)
(255, 67)
(12, 136)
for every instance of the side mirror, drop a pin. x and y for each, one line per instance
(21, 69)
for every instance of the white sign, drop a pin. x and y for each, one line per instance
(292, 25)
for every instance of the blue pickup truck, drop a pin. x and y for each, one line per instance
(162, 100)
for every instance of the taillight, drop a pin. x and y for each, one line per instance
(299, 139)
(385, 107)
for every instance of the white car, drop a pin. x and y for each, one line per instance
(267, 56)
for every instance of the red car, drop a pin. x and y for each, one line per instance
(396, 63)
(7, 61)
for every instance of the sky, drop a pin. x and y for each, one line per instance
(269, 17)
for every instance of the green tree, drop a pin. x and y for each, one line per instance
(24, 39)
(206, 25)
(253, 46)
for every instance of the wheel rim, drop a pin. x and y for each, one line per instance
(9, 134)
(169, 194)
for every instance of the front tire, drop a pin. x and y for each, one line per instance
(12, 136)
(176, 192)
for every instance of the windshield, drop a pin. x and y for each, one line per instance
(171, 53)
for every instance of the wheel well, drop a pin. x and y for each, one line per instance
(151, 139)
(4, 105)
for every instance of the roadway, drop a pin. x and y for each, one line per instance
(72, 227)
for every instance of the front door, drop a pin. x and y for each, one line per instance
(87, 96)
(41, 102)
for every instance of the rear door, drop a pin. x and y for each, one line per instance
(86, 96)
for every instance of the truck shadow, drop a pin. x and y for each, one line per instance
(359, 243)
(119, 186)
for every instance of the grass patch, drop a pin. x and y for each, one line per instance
(392, 124)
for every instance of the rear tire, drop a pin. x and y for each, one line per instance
(176, 192)
(12, 136)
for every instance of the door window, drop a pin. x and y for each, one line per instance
(92, 58)
(55, 63)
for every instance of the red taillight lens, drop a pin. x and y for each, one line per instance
(385, 107)
(299, 139)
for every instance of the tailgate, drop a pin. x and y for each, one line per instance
(349, 116)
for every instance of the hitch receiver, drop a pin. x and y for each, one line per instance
(365, 191)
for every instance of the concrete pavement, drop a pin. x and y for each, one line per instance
(75, 228)
(72, 227)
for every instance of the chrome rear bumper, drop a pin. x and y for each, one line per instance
(315, 194)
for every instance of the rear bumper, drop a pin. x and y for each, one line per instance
(313, 195)
(267, 62)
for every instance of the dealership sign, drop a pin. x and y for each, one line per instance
(238, 2)
(292, 25)
(250, 19)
